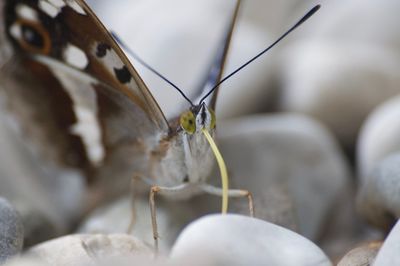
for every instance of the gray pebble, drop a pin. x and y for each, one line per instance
(378, 196)
(362, 255)
(388, 255)
(241, 240)
(11, 231)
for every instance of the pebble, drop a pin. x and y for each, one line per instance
(378, 196)
(290, 154)
(378, 136)
(38, 227)
(362, 255)
(241, 240)
(11, 231)
(88, 249)
(338, 83)
(388, 255)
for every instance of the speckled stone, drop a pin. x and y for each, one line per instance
(362, 255)
(11, 231)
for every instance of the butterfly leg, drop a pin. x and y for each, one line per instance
(234, 193)
(135, 179)
(157, 190)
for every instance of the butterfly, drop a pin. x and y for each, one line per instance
(86, 109)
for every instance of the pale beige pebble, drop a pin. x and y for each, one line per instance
(87, 249)
(338, 83)
(362, 255)
(378, 136)
(345, 228)
(378, 195)
(388, 255)
(241, 240)
(358, 21)
(26, 260)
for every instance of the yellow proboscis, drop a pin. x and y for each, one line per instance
(222, 169)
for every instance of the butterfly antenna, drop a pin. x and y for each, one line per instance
(137, 58)
(303, 19)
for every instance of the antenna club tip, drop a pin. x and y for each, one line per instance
(315, 8)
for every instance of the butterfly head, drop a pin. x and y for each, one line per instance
(197, 118)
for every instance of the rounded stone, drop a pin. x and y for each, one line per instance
(240, 240)
(378, 136)
(362, 255)
(11, 231)
(338, 83)
(388, 255)
(378, 196)
(88, 249)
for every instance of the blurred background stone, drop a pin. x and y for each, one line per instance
(290, 163)
(88, 249)
(389, 252)
(378, 137)
(378, 197)
(361, 256)
(11, 231)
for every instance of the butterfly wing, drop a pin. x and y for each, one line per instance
(216, 69)
(69, 32)
(74, 90)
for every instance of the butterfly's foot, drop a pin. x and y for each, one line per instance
(232, 193)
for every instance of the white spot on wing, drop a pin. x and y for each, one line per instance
(48, 8)
(79, 87)
(26, 12)
(75, 6)
(88, 129)
(57, 3)
(15, 31)
(75, 56)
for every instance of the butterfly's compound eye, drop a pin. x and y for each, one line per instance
(31, 36)
(188, 122)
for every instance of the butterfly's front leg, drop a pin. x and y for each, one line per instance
(234, 193)
(167, 191)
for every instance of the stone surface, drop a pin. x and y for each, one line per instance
(389, 253)
(345, 228)
(26, 261)
(361, 256)
(11, 231)
(290, 163)
(338, 83)
(378, 136)
(378, 195)
(38, 227)
(240, 240)
(88, 249)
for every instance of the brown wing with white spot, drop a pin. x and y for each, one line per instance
(69, 32)
(77, 98)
